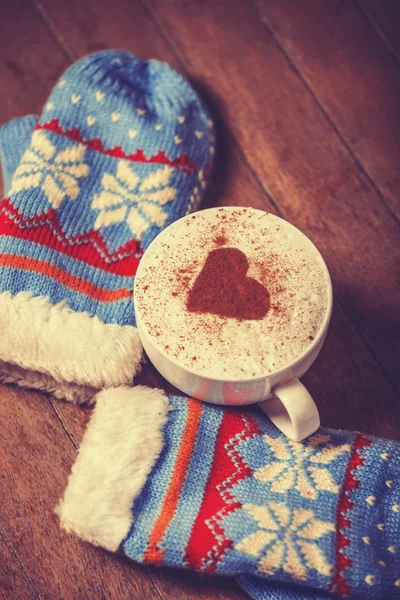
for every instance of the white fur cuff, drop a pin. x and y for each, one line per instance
(121, 444)
(37, 335)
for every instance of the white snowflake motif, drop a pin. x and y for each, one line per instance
(138, 202)
(56, 173)
(301, 465)
(287, 539)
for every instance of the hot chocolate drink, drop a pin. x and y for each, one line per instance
(233, 293)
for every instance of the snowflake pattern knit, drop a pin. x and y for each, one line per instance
(122, 149)
(15, 136)
(222, 491)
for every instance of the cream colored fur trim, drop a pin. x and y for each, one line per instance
(121, 444)
(70, 346)
(78, 394)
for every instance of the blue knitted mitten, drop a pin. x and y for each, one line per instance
(123, 148)
(222, 491)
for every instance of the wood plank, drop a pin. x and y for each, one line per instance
(178, 585)
(347, 66)
(346, 385)
(385, 16)
(30, 60)
(36, 458)
(298, 157)
(91, 26)
(14, 581)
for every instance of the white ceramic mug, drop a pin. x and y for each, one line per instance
(280, 395)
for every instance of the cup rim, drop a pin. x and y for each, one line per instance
(292, 365)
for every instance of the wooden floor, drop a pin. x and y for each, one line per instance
(306, 95)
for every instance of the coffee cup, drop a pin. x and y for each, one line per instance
(232, 306)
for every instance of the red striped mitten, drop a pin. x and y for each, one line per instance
(186, 484)
(122, 149)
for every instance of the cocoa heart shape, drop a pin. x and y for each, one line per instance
(222, 288)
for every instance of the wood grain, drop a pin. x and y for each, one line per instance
(30, 60)
(15, 582)
(385, 16)
(347, 66)
(284, 145)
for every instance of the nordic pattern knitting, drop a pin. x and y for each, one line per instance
(230, 494)
(15, 136)
(122, 149)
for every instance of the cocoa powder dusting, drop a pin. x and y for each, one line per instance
(220, 240)
(222, 288)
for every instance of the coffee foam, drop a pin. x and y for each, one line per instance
(280, 257)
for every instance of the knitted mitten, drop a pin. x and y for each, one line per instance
(222, 491)
(122, 149)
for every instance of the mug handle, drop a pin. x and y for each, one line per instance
(292, 410)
